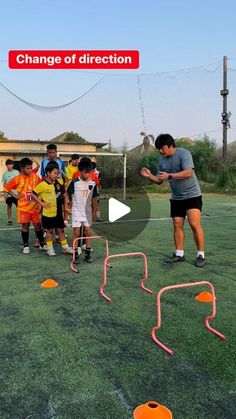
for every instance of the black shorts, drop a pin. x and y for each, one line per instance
(53, 222)
(179, 208)
(10, 200)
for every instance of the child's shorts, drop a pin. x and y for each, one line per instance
(27, 217)
(79, 222)
(53, 222)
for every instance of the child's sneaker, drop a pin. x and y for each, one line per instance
(37, 244)
(67, 250)
(88, 257)
(57, 239)
(43, 248)
(51, 252)
(26, 250)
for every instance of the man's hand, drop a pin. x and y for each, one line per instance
(163, 176)
(146, 172)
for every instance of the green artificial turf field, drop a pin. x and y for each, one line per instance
(67, 353)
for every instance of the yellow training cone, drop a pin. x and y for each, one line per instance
(49, 283)
(204, 297)
(152, 410)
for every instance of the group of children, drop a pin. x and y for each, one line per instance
(49, 200)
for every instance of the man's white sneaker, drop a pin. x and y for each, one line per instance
(26, 250)
(67, 250)
(51, 252)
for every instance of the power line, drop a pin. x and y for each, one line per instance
(170, 73)
(140, 96)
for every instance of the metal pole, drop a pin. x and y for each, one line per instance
(124, 179)
(224, 93)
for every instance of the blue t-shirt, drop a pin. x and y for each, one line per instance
(45, 162)
(181, 160)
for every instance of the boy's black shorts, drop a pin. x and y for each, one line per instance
(179, 208)
(10, 200)
(53, 222)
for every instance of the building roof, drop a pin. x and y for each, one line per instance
(140, 149)
(60, 139)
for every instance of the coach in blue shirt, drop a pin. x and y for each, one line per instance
(52, 157)
(176, 166)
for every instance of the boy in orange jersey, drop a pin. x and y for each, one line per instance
(20, 187)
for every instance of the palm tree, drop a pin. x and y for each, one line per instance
(146, 140)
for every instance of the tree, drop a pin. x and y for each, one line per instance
(74, 137)
(203, 152)
(2, 136)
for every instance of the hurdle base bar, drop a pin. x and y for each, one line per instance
(75, 242)
(207, 319)
(145, 277)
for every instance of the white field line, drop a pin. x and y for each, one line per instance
(139, 220)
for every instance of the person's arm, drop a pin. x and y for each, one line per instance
(184, 174)
(94, 208)
(37, 164)
(94, 203)
(42, 170)
(148, 174)
(64, 177)
(10, 186)
(67, 204)
(68, 197)
(187, 168)
(43, 204)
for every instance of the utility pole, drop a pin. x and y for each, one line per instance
(225, 116)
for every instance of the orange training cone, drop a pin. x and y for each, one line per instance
(204, 297)
(152, 410)
(49, 283)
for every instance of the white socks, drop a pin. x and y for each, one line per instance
(200, 253)
(179, 253)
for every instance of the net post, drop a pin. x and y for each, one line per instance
(124, 176)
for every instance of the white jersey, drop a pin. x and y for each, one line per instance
(82, 193)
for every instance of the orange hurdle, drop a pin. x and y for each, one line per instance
(207, 319)
(145, 277)
(75, 242)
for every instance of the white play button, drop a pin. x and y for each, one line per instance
(117, 210)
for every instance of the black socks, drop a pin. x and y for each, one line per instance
(39, 235)
(25, 238)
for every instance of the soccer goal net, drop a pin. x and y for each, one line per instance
(112, 170)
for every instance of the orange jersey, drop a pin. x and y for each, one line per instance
(93, 176)
(24, 185)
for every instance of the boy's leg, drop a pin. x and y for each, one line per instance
(49, 242)
(9, 202)
(25, 237)
(9, 213)
(75, 235)
(87, 232)
(63, 240)
(39, 234)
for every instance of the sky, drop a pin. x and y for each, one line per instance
(170, 35)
